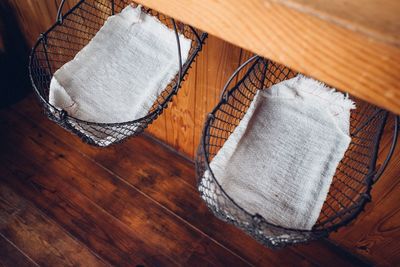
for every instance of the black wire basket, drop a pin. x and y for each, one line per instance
(72, 31)
(351, 185)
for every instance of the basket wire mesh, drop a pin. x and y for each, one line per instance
(351, 185)
(69, 35)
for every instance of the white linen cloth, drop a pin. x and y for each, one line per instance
(280, 160)
(121, 72)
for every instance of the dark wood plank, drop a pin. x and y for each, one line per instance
(328, 255)
(100, 231)
(40, 239)
(152, 224)
(169, 179)
(157, 172)
(210, 254)
(83, 218)
(11, 256)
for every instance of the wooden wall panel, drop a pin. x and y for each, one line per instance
(375, 234)
(215, 67)
(183, 120)
(36, 16)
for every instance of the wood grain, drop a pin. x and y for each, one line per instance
(374, 235)
(215, 65)
(180, 115)
(136, 226)
(11, 256)
(41, 240)
(376, 18)
(214, 256)
(99, 231)
(112, 211)
(182, 123)
(349, 60)
(168, 179)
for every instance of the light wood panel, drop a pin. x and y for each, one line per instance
(215, 66)
(358, 63)
(376, 18)
(181, 124)
(179, 116)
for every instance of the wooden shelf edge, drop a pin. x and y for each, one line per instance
(345, 59)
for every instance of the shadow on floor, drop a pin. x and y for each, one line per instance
(14, 54)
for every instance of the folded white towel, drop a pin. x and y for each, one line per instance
(280, 160)
(120, 73)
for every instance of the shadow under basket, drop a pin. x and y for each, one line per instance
(352, 182)
(69, 35)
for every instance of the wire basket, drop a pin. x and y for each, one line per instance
(351, 185)
(72, 31)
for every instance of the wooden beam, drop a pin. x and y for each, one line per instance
(359, 54)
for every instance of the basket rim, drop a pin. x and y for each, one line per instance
(356, 209)
(200, 39)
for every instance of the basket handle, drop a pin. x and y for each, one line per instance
(235, 73)
(60, 21)
(60, 18)
(396, 121)
(391, 150)
(178, 42)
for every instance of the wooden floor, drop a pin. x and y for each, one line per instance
(64, 203)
